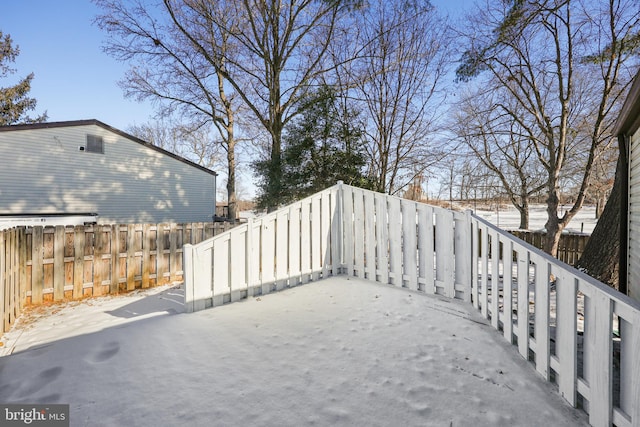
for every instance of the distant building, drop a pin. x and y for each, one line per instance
(628, 131)
(87, 171)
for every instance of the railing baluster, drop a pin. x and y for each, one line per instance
(316, 245)
(598, 348)
(358, 232)
(524, 261)
(267, 254)
(495, 279)
(331, 256)
(348, 229)
(395, 241)
(485, 272)
(294, 244)
(221, 269)
(426, 247)
(305, 241)
(566, 335)
(370, 216)
(409, 245)
(382, 238)
(541, 310)
(282, 249)
(475, 273)
(462, 247)
(507, 292)
(238, 262)
(445, 274)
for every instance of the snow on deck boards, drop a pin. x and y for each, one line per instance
(340, 351)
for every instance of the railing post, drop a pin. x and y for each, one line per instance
(474, 263)
(634, 380)
(187, 267)
(249, 258)
(2, 281)
(338, 237)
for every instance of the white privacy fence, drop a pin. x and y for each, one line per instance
(340, 230)
(291, 246)
(579, 333)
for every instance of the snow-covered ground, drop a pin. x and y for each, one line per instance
(508, 218)
(341, 351)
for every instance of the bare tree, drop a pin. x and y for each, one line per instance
(399, 59)
(565, 64)
(177, 55)
(498, 141)
(194, 145)
(280, 48)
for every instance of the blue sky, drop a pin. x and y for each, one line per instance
(74, 79)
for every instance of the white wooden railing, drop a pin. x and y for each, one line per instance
(577, 332)
(291, 246)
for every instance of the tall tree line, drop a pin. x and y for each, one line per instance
(539, 85)
(557, 72)
(234, 63)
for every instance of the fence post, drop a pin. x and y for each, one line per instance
(22, 280)
(2, 281)
(189, 283)
(58, 263)
(345, 238)
(475, 245)
(249, 254)
(337, 240)
(37, 273)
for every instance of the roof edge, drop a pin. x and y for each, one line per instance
(628, 120)
(94, 122)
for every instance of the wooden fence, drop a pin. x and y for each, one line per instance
(570, 247)
(48, 264)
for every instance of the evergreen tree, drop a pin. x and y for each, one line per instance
(14, 100)
(321, 147)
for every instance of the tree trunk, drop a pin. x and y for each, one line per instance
(231, 180)
(275, 173)
(601, 256)
(552, 226)
(523, 208)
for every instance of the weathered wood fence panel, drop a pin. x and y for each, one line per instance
(570, 247)
(48, 264)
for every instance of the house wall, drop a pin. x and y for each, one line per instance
(42, 170)
(633, 258)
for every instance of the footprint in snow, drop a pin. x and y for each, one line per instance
(106, 352)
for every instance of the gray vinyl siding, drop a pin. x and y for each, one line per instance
(633, 269)
(43, 171)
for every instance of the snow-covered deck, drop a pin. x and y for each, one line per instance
(339, 351)
(577, 332)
